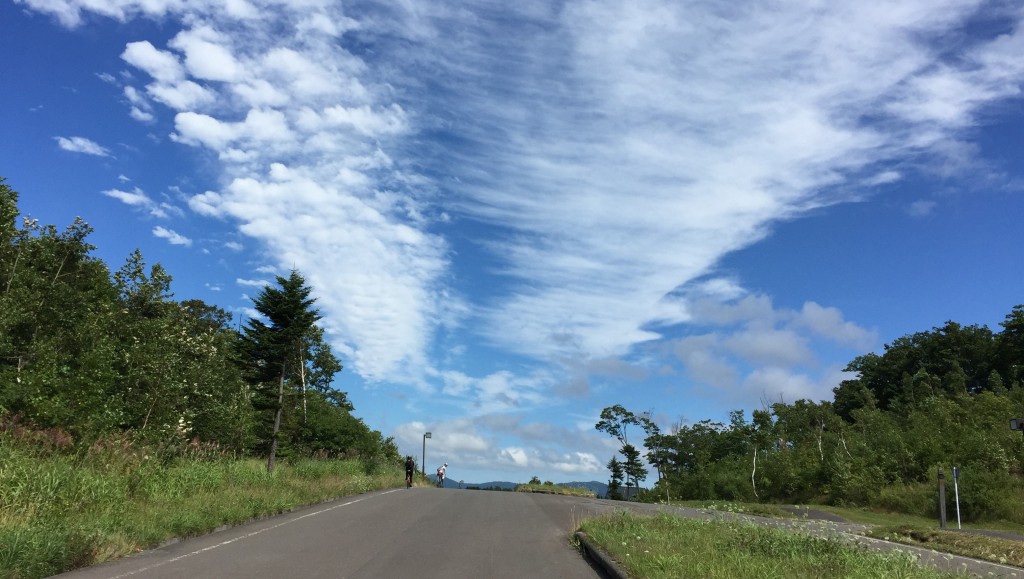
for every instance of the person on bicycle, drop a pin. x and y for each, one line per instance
(441, 470)
(410, 467)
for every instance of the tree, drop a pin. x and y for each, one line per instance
(272, 348)
(615, 480)
(1010, 347)
(852, 395)
(633, 467)
(57, 309)
(658, 453)
(961, 355)
(319, 369)
(615, 421)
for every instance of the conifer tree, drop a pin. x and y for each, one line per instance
(271, 347)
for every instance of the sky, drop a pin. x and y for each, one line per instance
(516, 214)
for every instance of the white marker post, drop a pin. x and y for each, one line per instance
(956, 492)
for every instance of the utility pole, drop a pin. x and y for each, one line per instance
(423, 463)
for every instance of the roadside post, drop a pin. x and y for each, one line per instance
(423, 461)
(956, 492)
(942, 498)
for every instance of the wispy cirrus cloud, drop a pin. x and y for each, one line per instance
(638, 144)
(82, 145)
(137, 198)
(258, 283)
(615, 152)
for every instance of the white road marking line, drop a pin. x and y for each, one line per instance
(246, 536)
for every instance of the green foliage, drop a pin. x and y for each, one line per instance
(932, 399)
(96, 355)
(615, 482)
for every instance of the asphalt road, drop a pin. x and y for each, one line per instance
(425, 533)
(420, 532)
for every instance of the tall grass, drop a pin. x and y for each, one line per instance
(666, 546)
(61, 511)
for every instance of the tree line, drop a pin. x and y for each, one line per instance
(931, 401)
(87, 353)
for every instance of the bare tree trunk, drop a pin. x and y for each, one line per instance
(668, 498)
(843, 440)
(148, 412)
(14, 271)
(302, 376)
(821, 429)
(277, 423)
(753, 482)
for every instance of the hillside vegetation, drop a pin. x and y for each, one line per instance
(128, 417)
(86, 354)
(931, 401)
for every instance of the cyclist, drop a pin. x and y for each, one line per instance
(441, 470)
(410, 467)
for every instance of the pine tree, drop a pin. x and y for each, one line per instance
(615, 480)
(273, 349)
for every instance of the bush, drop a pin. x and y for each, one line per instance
(916, 499)
(987, 496)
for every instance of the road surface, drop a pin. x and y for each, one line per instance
(426, 533)
(419, 533)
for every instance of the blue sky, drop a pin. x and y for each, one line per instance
(516, 214)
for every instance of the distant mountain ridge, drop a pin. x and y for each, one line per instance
(598, 488)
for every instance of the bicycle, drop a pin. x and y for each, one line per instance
(440, 481)
(408, 480)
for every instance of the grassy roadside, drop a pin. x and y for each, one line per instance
(666, 546)
(905, 529)
(994, 549)
(555, 490)
(61, 512)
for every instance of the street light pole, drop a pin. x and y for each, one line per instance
(423, 462)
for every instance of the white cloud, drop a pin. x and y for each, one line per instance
(687, 153)
(755, 351)
(206, 56)
(763, 346)
(81, 145)
(829, 323)
(516, 456)
(921, 208)
(884, 178)
(171, 236)
(163, 66)
(619, 150)
(260, 283)
(773, 384)
(705, 364)
(481, 442)
(138, 198)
